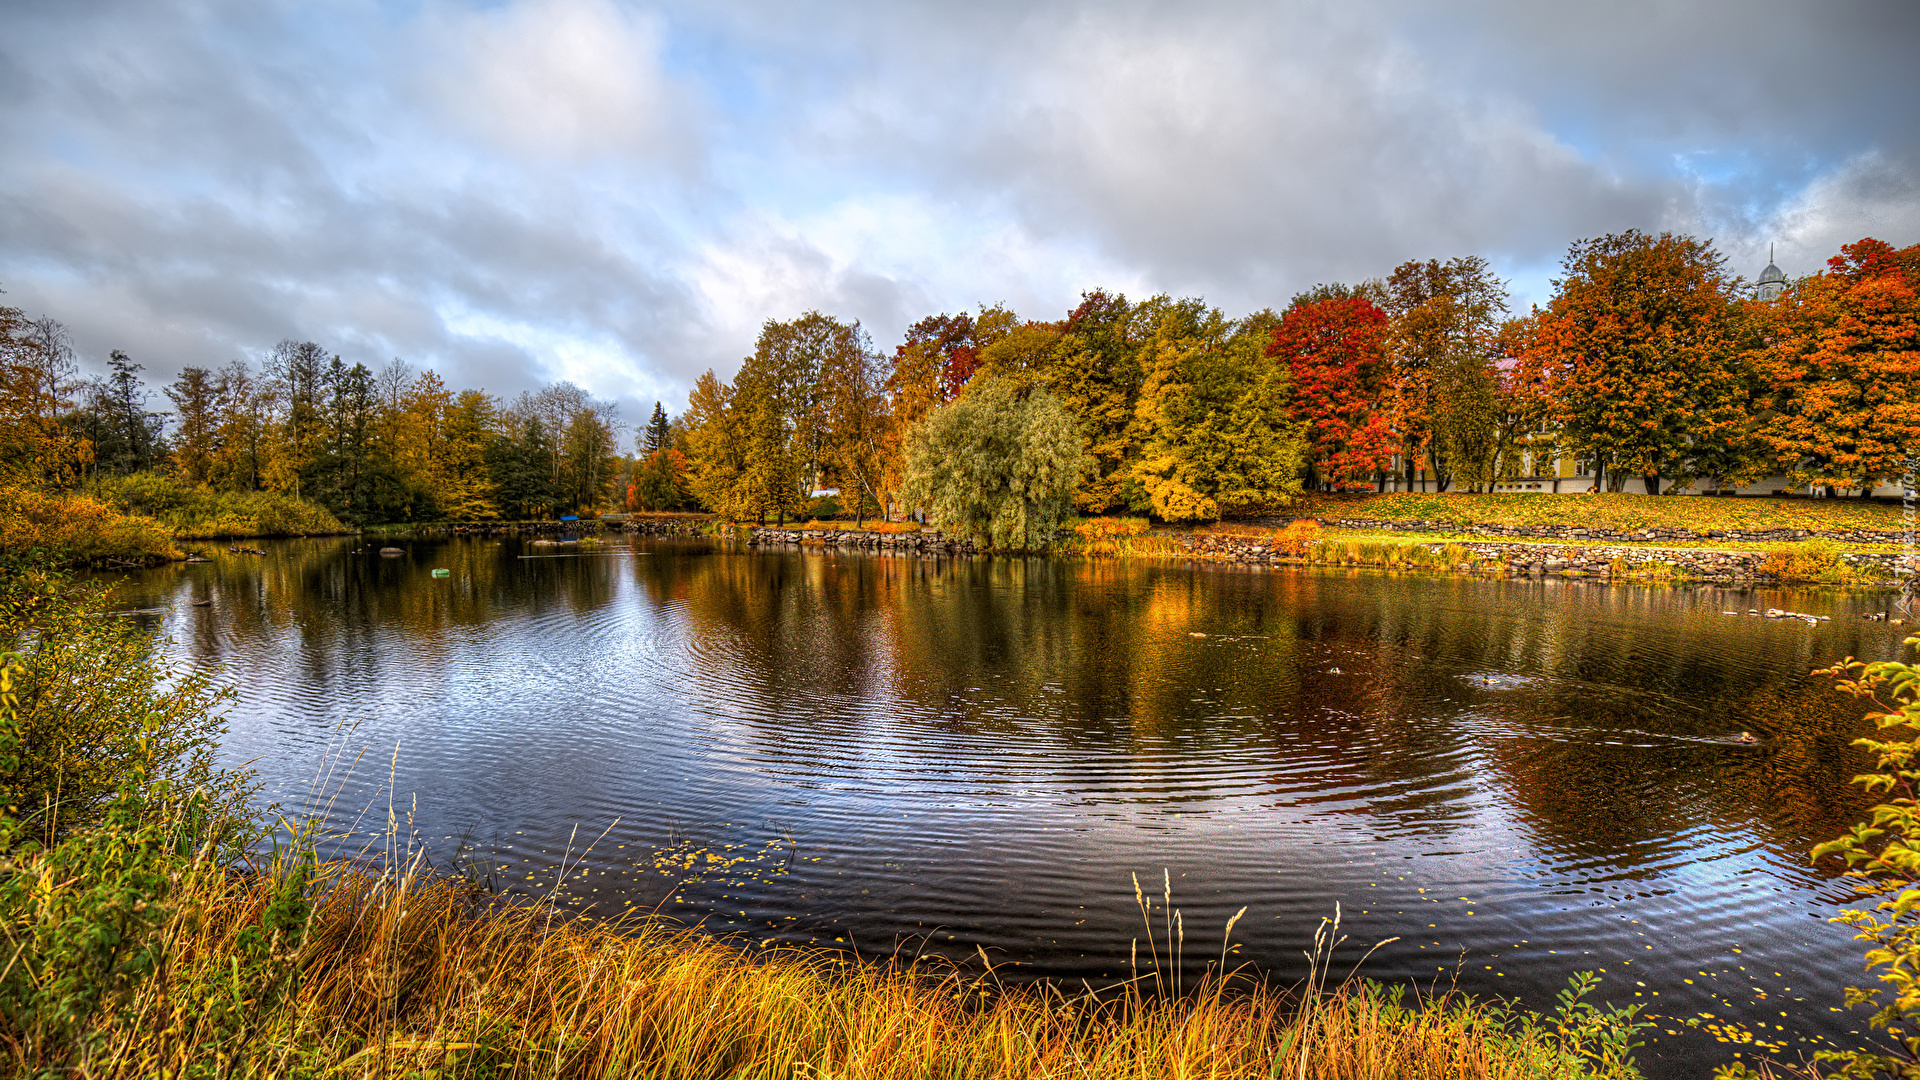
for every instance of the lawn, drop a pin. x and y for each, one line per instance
(1617, 511)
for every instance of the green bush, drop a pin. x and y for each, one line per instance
(97, 709)
(1882, 856)
(197, 513)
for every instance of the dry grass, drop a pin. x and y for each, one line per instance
(426, 977)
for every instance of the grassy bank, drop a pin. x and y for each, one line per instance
(1616, 511)
(411, 975)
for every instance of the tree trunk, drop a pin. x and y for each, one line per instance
(1653, 483)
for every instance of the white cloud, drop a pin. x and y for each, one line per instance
(576, 79)
(1870, 195)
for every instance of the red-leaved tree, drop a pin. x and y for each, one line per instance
(1336, 350)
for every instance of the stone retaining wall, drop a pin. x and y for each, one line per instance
(1601, 532)
(1506, 558)
(1565, 560)
(925, 542)
(666, 526)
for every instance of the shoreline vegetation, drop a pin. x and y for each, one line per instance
(347, 971)
(1616, 537)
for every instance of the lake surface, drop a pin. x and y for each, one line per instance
(1518, 779)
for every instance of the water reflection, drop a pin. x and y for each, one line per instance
(1519, 779)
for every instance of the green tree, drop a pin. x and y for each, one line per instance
(1097, 375)
(1219, 437)
(998, 466)
(657, 435)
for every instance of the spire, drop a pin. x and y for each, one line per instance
(1772, 281)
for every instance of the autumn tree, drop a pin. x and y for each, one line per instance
(998, 465)
(1637, 358)
(240, 442)
(469, 491)
(1334, 349)
(38, 443)
(857, 427)
(1218, 436)
(1444, 392)
(1839, 355)
(717, 448)
(196, 411)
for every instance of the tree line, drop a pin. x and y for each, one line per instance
(1651, 360)
(393, 445)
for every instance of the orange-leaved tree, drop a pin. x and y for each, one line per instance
(1636, 359)
(1840, 357)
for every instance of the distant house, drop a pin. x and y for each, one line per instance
(824, 493)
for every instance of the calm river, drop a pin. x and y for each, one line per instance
(1518, 779)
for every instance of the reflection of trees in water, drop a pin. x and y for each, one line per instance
(1406, 699)
(1618, 737)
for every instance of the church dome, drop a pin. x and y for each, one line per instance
(1772, 281)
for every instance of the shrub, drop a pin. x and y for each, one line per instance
(1882, 856)
(1297, 538)
(97, 708)
(1110, 536)
(198, 513)
(71, 528)
(1815, 561)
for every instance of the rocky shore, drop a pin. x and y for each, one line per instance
(926, 542)
(1590, 534)
(1604, 561)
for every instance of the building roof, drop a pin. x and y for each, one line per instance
(1771, 274)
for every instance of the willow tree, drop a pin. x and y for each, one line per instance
(998, 466)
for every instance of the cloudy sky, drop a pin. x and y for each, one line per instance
(521, 191)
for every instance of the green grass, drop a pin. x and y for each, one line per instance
(1617, 511)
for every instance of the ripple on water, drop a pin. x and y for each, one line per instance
(1517, 780)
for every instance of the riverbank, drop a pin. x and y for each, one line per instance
(1802, 562)
(1609, 517)
(415, 975)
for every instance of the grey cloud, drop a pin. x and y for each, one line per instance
(195, 181)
